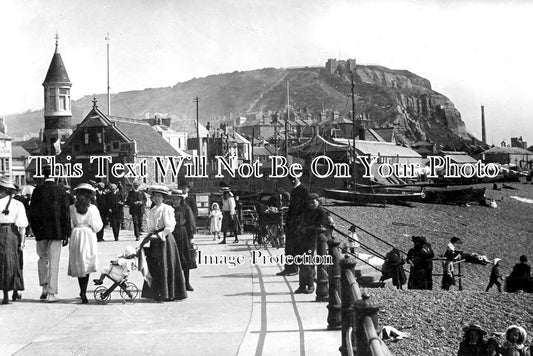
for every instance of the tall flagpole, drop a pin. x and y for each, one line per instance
(108, 88)
(287, 123)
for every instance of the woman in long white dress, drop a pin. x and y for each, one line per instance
(83, 251)
(13, 224)
(162, 257)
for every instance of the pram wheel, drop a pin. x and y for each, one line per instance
(258, 240)
(128, 291)
(101, 296)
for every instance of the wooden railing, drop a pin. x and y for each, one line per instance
(350, 310)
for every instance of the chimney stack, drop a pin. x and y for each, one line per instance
(483, 132)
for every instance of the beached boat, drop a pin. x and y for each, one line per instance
(363, 198)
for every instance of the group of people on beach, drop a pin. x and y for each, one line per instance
(421, 257)
(58, 219)
(474, 343)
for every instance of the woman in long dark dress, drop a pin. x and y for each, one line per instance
(162, 257)
(13, 222)
(183, 233)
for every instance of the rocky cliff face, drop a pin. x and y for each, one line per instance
(387, 97)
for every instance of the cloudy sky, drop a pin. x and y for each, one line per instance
(474, 52)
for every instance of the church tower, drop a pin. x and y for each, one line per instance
(57, 110)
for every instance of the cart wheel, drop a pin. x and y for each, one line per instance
(257, 240)
(100, 297)
(129, 292)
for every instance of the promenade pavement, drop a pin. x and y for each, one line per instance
(235, 310)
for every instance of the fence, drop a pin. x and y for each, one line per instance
(350, 310)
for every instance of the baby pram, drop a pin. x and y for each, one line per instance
(118, 272)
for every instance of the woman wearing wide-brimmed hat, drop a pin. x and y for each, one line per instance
(168, 281)
(420, 258)
(13, 222)
(184, 232)
(229, 215)
(473, 343)
(83, 250)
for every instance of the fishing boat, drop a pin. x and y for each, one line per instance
(364, 198)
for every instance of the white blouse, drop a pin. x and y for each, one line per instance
(17, 213)
(161, 217)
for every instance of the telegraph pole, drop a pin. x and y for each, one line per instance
(107, 38)
(354, 127)
(197, 100)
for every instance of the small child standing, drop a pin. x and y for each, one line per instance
(495, 276)
(514, 344)
(215, 221)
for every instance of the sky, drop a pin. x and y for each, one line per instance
(474, 52)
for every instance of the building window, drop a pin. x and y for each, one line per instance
(64, 98)
(99, 137)
(77, 147)
(52, 99)
(116, 145)
(86, 138)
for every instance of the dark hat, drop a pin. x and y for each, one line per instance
(421, 239)
(474, 327)
(313, 196)
(455, 239)
(523, 258)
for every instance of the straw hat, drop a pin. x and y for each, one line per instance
(177, 192)
(85, 186)
(496, 260)
(6, 182)
(161, 189)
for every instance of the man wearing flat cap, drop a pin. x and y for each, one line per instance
(316, 224)
(115, 209)
(50, 220)
(136, 201)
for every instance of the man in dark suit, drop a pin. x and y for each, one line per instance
(136, 201)
(115, 209)
(50, 220)
(297, 209)
(101, 204)
(189, 200)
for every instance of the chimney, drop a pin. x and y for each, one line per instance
(3, 126)
(483, 132)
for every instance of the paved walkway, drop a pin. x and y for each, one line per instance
(240, 310)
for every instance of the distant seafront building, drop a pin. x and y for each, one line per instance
(57, 109)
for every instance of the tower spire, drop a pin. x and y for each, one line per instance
(57, 40)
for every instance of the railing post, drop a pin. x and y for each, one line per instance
(347, 263)
(334, 300)
(361, 309)
(322, 273)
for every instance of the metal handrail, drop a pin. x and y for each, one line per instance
(358, 313)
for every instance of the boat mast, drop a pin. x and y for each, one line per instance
(353, 127)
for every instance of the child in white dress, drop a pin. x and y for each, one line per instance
(215, 221)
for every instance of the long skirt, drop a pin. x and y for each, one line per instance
(9, 258)
(182, 240)
(168, 281)
(228, 225)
